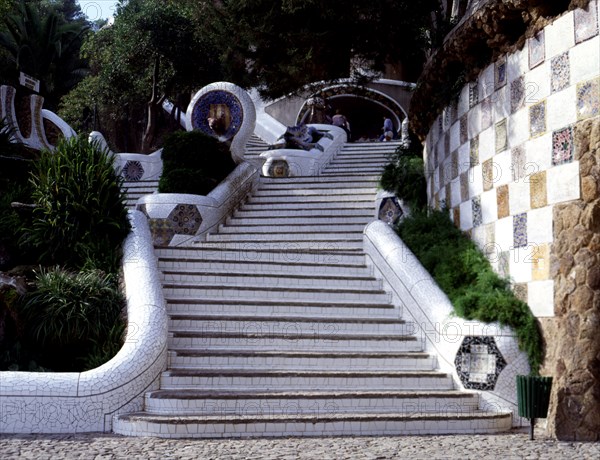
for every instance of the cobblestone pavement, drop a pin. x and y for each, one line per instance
(100, 446)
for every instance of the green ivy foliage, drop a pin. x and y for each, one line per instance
(463, 272)
(193, 162)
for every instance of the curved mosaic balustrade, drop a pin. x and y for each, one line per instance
(297, 162)
(39, 402)
(232, 107)
(175, 218)
(454, 340)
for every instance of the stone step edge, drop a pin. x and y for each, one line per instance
(237, 287)
(200, 259)
(245, 353)
(253, 373)
(267, 274)
(285, 319)
(276, 303)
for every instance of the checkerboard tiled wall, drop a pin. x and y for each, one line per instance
(501, 156)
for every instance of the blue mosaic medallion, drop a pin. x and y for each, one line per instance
(185, 219)
(218, 113)
(479, 363)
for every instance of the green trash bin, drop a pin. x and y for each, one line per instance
(533, 396)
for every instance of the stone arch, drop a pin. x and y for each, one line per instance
(380, 101)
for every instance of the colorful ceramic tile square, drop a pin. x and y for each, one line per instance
(536, 49)
(490, 234)
(537, 119)
(517, 94)
(454, 111)
(464, 186)
(464, 133)
(442, 176)
(502, 201)
(562, 146)
(588, 99)
(586, 23)
(390, 211)
(521, 291)
(501, 136)
(474, 151)
(487, 171)
(518, 163)
(476, 209)
(447, 120)
(504, 264)
(540, 258)
(538, 194)
(520, 230)
(456, 216)
(446, 146)
(560, 72)
(448, 201)
(473, 94)
(486, 113)
(500, 73)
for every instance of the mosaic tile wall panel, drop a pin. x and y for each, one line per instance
(390, 211)
(510, 136)
(479, 363)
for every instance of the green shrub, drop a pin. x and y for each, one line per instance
(80, 217)
(73, 315)
(405, 175)
(193, 162)
(465, 275)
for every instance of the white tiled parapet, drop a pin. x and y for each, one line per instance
(85, 402)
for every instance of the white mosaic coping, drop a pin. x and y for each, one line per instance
(41, 402)
(421, 300)
(307, 163)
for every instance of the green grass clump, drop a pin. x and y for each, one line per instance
(466, 276)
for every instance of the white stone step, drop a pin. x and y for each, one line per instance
(290, 326)
(141, 424)
(274, 380)
(295, 228)
(293, 218)
(227, 305)
(211, 276)
(322, 403)
(271, 292)
(308, 192)
(303, 213)
(333, 241)
(310, 199)
(320, 181)
(210, 358)
(340, 206)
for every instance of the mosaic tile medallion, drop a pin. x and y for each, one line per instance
(474, 151)
(520, 230)
(390, 211)
(500, 73)
(279, 168)
(518, 163)
(501, 136)
(464, 133)
(586, 23)
(476, 210)
(560, 72)
(186, 219)
(222, 106)
(473, 94)
(517, 94)
(588, 99)
(537, 119)
(536, 49)
(563, 146)
(479, 363)
(162, 231)
(133, 171)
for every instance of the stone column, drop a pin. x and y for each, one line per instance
(573, 336)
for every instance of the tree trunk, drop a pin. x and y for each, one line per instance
(153, 109)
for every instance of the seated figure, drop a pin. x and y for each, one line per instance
(300, 137)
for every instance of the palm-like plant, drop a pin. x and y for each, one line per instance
(43, 47)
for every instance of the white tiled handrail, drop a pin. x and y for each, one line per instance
(42, 402)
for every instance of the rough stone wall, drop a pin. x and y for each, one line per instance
(573, 336)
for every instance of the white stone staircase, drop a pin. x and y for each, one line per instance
(279, 328)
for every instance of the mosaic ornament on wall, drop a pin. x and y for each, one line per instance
(279, 168)
(476, 210)
(562, 146)
(517, 94)
(162, 231)
(588, 99)
(186, 219)
(560, 72)
(218, 113)
(586, 23)
(500, 73)
(133, 171)
(390, 211)
(479, 363)
(537, 119)
(520, 230)
(536, 49)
